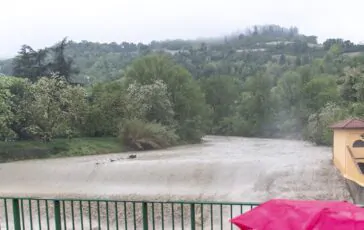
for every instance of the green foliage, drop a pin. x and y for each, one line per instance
(352, 84)
(141, 135)
(267, 81)
(318, 130)
(30, 63)
(242, 53)
(190, 109)
(22, 150)
(56, 108)
(319, 91)
(6, 115)
(33, 64)
(150, 102)
(254, 105)
(289, 89)
(6, 67)
(105, 109)
(15, 99)
(221, 93)
(234, 125)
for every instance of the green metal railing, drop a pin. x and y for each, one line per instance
(65, 214)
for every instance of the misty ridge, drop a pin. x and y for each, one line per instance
(272, 39)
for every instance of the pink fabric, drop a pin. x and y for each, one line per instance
(282, 214)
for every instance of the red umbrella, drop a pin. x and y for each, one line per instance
(282, 214)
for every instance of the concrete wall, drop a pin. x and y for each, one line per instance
(356, 192)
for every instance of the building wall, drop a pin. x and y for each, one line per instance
(354, 136)
(346, 156)
(339, 149)
(353, 172)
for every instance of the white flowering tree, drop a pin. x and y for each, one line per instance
(318, 130)
(56, 108)
(149, 116)
(149, 102)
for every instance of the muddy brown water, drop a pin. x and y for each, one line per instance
(219, 169)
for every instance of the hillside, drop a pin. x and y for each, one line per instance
(202, 57)
(242, 53)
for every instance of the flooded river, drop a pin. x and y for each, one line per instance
(220, 169)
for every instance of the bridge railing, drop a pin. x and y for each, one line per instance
(64, 214)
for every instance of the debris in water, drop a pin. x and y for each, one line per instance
(132, 156)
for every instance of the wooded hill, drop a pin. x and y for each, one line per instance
(241, 53)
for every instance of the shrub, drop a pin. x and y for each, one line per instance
(140, 135)
(318, 130)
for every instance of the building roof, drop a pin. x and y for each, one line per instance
(352, 123)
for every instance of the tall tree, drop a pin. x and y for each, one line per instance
(30, 63)
(62, 65)
(56, 108)
(43, 63)
(185, 94)
(221, 94)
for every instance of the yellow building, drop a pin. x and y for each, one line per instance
(348, 155)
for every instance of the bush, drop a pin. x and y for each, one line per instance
(235, 126)
(140, 135)
(318, 130)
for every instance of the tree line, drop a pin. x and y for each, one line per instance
(156, 104)
(155, 99)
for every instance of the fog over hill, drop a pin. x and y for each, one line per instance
(144, 21)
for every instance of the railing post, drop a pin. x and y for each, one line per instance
(57, 215)
(145, 215)
(16, 214)
(193, 223)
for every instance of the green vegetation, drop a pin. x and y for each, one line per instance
(267, 81)
(155, 105)
(21, 150)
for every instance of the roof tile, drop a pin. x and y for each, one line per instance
(352, 123)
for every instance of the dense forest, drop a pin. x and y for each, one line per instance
(266, 81)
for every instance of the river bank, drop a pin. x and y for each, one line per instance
(26, 150)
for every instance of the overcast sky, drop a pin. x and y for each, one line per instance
(41, 23)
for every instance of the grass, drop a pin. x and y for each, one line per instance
(21, 150)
